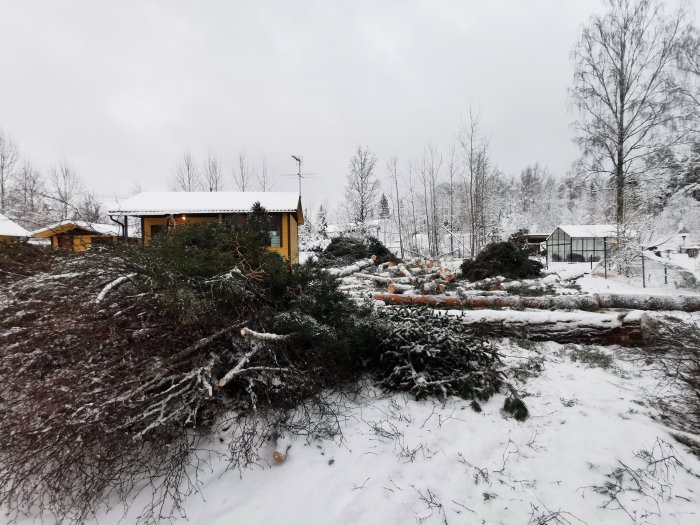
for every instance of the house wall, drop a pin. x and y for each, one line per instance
(283, 249)
(76, 243)
(294, 243)
(8, 238)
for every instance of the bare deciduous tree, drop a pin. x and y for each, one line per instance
(242, 176)
(186, 177)
(429, 171)
(265, 179)
(479, 180)
(9, 157)
(688, 63)
(452, 172)
(393, 169)
(90, 209)
(29, 190)
(362, 189)
(213, 179)
(625, 90)
(65, 188)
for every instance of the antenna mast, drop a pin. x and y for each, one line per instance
(298, 159)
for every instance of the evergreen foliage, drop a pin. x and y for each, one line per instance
(501, 259)
(346, 249)
(384, 212)
(260, 223)
(114, 360)
(429, 355)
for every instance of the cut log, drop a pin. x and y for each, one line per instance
(398, 288)
(560, 327)
(370, 277)
(356, 267)
(483, 284)
(556, 302)
(404, 271)
(437, 301)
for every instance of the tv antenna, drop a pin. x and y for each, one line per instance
(299, 173)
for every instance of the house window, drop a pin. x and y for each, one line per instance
(276, 231)
(156, 229)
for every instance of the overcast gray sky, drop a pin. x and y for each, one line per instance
(120, 89)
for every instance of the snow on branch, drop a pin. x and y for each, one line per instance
(112, 285)
(257, 337)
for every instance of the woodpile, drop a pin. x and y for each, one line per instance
(416, 277)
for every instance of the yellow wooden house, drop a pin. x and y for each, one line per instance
(77, 236)
(10, 231)
(156, 209)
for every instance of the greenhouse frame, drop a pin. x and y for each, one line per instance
(580, 242)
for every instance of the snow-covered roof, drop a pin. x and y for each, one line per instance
(9, 228)
(60, 227)
(589, 230)
(176, 202)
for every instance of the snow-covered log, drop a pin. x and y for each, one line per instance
(684, 303)
(437, 301)
(371, 277)
(398, 288)
(483, 284)
(559, 326)
(404, 271)
(356, 267)
(556, 302)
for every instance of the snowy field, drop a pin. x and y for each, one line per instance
(591, 452)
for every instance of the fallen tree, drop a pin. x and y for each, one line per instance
(688, 303)
(561, 326)
(119, 362)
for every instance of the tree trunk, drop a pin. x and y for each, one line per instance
(559, 302)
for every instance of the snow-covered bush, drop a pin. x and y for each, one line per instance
(501, 259)
(346, 249)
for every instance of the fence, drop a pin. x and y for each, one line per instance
(644, 269)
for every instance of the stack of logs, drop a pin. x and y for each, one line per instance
(412, 278)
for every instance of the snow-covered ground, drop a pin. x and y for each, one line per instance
(592, 283)
(405, 461)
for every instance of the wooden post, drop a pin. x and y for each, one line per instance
(605, 255)
(644, 277)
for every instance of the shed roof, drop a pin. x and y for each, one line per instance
(64, 226)
(176, 202)
(589, 230)
(9, 228)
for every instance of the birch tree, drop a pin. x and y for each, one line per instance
(30, 188)
(362, 188)
(265, 179)
(242, 174)
(186, 177)
(625, 91)
(9, 157)
(393, 170)
(213, 179)
(476, 180)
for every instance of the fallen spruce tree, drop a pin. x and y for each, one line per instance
(119, 364)
(597, 301)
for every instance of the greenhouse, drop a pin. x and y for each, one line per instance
(580, 242)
